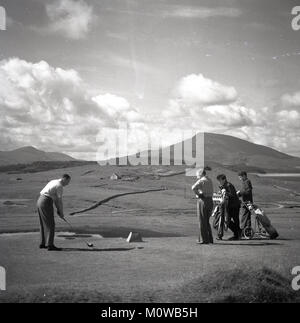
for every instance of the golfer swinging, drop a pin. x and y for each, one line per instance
(51, 193)
(203, 189)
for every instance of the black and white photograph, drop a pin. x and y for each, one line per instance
(149, 154)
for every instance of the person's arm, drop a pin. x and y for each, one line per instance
(224, 195)
(59, 206)
(196, 188)
(59, 203)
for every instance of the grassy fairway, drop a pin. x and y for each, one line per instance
(168, 266)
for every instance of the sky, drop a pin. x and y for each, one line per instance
(70, 69)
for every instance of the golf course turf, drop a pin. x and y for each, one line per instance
(168, 266)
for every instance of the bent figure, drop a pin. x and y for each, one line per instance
(49, 195)
(203, 189)
(232, 206)
(246, 194)
(221, 219)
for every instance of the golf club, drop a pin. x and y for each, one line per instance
(89, 244)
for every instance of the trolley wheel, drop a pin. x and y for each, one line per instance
(248, 233)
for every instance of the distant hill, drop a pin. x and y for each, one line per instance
(235, 153)
(29, 154)
(229, 150)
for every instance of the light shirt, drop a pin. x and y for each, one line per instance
(53, 189)
(204, 186)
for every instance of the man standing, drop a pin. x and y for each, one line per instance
(203, 189)
(51, 193)
(232, 204)
(246, 194)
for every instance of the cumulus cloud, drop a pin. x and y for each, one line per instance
(207, 104)
(289, 118)
(116, 107)
(52, 108)
(198, 90)
(70, 18)
(276, 129)
(291, 100)
(231, 115)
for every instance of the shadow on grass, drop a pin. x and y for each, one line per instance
(120, 232)
(95, 249)
(254, 244)
(73, 236)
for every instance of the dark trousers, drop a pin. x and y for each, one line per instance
(204, 211)
(222, 218)
(245, 217)
(47, 223)
(233, 219)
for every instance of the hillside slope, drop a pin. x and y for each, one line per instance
(27, 155)
(228, 151)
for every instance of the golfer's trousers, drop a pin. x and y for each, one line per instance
(223, 217)
(204, 211)
(234, 220)
(245, 217)
(47, 223)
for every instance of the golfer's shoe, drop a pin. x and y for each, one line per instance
(233, 238)
(42, 246)
(240, 234)
(219, 238)
(53, 248)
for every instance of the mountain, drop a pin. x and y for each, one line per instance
(232, 152)
(28, 154)
(229, 150)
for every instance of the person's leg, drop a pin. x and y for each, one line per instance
(245, 217)
(231, 224)
(208, 212)
(42, 224)
(51, 226)
(226, 215)
(203, 232)
(199, 220)
(42, 233)
(229, 213)
(47, 218)
(234, 226)
(248, 223)
(236, 220)
(221, 222)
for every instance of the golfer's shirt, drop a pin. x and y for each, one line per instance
(204, 186)
(53, 189)
(246, 191)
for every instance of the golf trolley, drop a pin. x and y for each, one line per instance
(262, 228)
(255, 231)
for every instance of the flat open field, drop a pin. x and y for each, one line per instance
(167, 266)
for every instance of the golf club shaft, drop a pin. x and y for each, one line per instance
(73, 229)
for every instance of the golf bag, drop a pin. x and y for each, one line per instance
(217, 217)
(220, 216)
(266, 223)
(263, 220)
